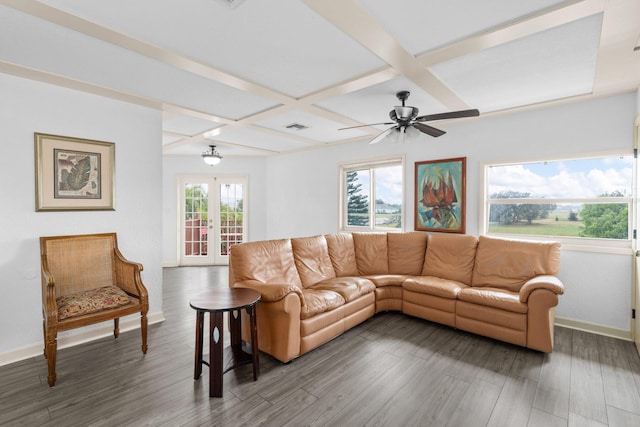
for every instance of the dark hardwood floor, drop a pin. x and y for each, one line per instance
(392, 370)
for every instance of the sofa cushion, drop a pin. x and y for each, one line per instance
(312, 260)
(382, 280)
(342, 254)
(436, 286)
(350, 288)
(269, 261)
(450, 256)
(318, 301)
(493, 297)
(371, 253)
(406, 252)
(508, 264)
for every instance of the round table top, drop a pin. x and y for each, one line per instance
(224, 299)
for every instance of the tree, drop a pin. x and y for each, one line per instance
(514, 213)
(606, 220)
(196, 202)
(357, 203)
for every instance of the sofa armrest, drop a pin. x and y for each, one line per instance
(270, 291)
(551, 283)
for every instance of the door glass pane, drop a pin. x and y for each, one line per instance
(195, 219)
(231, 216)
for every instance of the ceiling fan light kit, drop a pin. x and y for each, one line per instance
(211, 157)
(406, 117)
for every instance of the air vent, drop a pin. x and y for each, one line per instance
(297, 126)
(231, 4)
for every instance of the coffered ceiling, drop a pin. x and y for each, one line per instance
(240, 73)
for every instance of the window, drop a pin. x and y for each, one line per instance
(575, 200)
(371, 195)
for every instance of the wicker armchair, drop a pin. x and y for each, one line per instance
(86, 280)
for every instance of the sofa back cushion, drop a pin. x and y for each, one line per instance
(268, 261)
(371, 253)
(342, 254)
(406, 252)
(450, 256)
(508, 264)
(311, 256)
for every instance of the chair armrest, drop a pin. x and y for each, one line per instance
(271, 291)
(49, 304)
(551, 283)
(121, 259)
(127, 274)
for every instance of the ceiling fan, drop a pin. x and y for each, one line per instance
(404, 116)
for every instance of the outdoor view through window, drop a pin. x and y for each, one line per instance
(583, 198)
(383, 184)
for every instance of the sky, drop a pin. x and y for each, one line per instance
(565, 179)
(561, 179)
(388, 184)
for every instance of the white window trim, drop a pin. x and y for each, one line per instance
(576, 244)
(358, 165)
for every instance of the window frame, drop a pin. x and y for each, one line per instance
(371, 164)
(582, 244)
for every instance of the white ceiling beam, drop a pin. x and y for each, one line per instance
(62, 18)
(543, 21)
(618, 65)
(69, 83)
(360, 25)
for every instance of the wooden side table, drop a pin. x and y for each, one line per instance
(216, 302)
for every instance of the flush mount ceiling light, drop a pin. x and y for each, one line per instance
(211, 157)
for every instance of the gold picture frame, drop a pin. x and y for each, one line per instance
(73, 173)
(440, 195)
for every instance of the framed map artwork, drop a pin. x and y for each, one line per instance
(73, 173)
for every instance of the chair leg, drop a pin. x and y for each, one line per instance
(50, 349)
(143, 327)
(44, 334)
(116, 327)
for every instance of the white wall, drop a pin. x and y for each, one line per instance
(302, 192)
(27, 107)
(252, 168)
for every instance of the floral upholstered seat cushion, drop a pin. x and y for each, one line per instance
(91, 301)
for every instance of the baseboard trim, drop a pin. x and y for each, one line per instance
(104, 330)
(595, 328)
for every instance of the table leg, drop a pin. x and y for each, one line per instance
(255, 353)
(235, 331)
(216, 355)
(197, 369)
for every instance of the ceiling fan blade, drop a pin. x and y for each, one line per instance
(449, 115)
(371, 124)
(382, 135)
(429, 130)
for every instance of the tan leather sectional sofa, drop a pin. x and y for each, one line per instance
(314, 288)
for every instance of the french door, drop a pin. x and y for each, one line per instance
(212, 218)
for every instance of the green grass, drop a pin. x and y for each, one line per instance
(543, 227)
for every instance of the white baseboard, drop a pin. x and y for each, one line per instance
(104, 330)
(595, 328)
